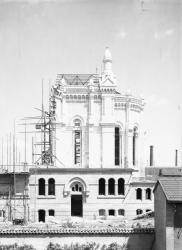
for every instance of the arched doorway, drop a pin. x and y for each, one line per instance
(76, 199)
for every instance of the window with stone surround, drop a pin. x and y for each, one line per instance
(139, 194)
(111, 212)
(148, 194)
(111, 186)
(41, 215)
(51, 212)
(76, 187)
(117, 146)
(102, 212)
(77, 142)
(51, 186)
(2, 213)
(41, 186)
(121, 212)
(102, 188)
(121, 186)
(135, 133)
(139, 211)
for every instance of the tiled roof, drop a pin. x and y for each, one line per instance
(172, 188)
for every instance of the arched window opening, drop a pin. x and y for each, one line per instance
(139, 211)
(148, 194)
(148, 210)
(102, 212)
(134, 145)
(117, 146)
(111, 187)
(51, 212)
(51, 187)
(41, 186)
(2, 213)
(121, 212)
(111, 212)
(77, 187)
(102, 183)
(121, 186)
(41, 215)
(139, 194)
(77, 142)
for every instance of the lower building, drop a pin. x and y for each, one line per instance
(168, 212)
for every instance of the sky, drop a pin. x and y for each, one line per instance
(39, 39)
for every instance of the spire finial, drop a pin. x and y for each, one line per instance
(107, 62)
(107, 55)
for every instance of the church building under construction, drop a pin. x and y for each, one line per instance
(92, 165)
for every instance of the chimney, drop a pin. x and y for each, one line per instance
(151, 155)
(176, 158)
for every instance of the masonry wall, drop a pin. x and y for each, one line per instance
(178, 226)
(137, 241)
(92, 201)
(160, 219)
(99, 116)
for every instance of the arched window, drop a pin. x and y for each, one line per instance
(121, 212)
(139, 194)
(135, 130)
(41, 186)
(51, 212)
(111, 212)
(148, 194)
(76, 187)
(102, 212)
(121, 186)
(148, 210)
(139, 211)
(2, 213)
(111, 187)
(51, 186)
(117, 146)
(41, 215)
(77, 142)
(102, 183)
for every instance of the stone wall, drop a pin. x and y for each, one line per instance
(135, 239)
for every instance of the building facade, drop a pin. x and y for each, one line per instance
(97, 152)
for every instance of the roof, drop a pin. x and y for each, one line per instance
(172, 188)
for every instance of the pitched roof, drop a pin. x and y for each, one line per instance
(172, 188)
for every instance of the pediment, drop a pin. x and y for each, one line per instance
(108, 82)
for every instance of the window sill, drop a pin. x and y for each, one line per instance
(46, 197)
(110, 197)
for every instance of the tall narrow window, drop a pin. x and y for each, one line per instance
(139, 194)
(117, 146)
(134, 145)
(51, 187)
(41, 186)
(121, 186)
(111, 187)
(102, 186)
(148, 194)
(77, 142)
(41, 214)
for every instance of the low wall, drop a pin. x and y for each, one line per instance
(135, 239)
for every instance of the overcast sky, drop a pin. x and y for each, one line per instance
(39, 39)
